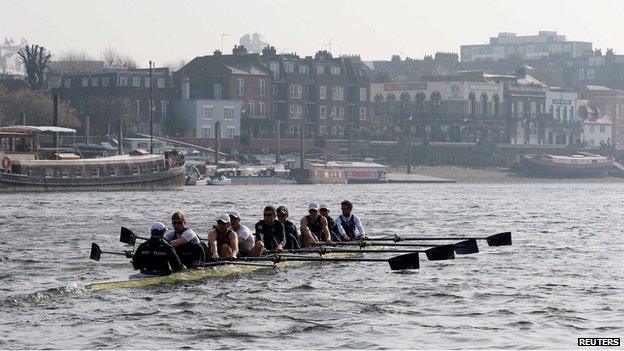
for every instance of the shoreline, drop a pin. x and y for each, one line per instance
(491, 175)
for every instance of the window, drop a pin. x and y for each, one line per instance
(262, 111)
(303, 69)
(104, 81)
(296, 91)
(68, 83)
(208, 112)
(262, 89)
(295, 111)
(251, 108)
(322, 112)
(123, 81)
(96, 172)
(590, 74)
(136, 170)
(322, 130)
(340, 130)
(49, 173)
(113, 172)
(362, 94)
(78, 173)
(320, 70)
(334, 71)
(338, 113)
(228, 112)
(592, 129)
(207, 132)
(602, 129)
(94, 82)
(136, 81)
(163, 109)
(337, 93)
(323, 92)
(290, 68)
(147, 82)
(85, 82)
(334, 130)
(160, 82)
(65, 173)
(229, 132)
(581, 74)
(241, 87)
(156, 168)
(362, 113)
(275, 89)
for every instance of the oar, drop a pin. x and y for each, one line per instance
(500, 239)
(96, 252)
(436, 253)
(461, 248)
(128, 237)
(407, 261)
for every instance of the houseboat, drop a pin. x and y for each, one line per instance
(572, 166)
(26, 166)
(362, 172)
(319, 173)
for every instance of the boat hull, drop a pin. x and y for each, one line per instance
(166, 180)
(542, 168)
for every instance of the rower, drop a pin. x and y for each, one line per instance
(246, 239)
(223, 241)
(185, 241)
(314, 227)
(348, 223)
(156, 255)
(270, 233)
(331, 224)
(292, 236)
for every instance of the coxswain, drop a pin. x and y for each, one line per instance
(331, 224)
(290, 229)
(246, 239)
(156, 255)
(185, 241)
(270, 233)
(348, 223)
(314, 227)
(223, 241)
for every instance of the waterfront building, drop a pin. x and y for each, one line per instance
(509, 45)
(604, 101)
(10, 62)
(597, 132)
(563, 124)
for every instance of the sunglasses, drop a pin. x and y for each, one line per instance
(176, 222)
(268, 214)
(312, 211)
(281, 215)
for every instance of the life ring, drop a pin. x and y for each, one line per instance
(6, 162)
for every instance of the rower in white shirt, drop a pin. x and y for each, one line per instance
(348, 223)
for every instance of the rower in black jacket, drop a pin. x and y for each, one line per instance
(156, 255)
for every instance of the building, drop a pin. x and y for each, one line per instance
(604, 101)
(238, 77)
(10, 62)
(508, 45)
(110, 94)
(597, 132)
(563, 121)
(202, 115)
(461, 107)
(254, 43)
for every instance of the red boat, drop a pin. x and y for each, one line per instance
(556, 166)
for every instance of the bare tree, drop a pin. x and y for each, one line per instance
(114, 58)
(36, 60)
(73, 55)
(174, 65)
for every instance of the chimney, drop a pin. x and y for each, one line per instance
(186, 89)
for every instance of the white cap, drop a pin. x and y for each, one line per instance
(313, 206)
(323, 206)
(235, 214)
(224, 217)
(158, 226)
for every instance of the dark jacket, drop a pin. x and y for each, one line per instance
(272, 235)
(157, 255)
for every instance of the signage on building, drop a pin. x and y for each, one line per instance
(405, 86)
(562, 102)
(485, 87)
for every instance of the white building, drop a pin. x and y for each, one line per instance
(10, 62)
(530, 47)
(563, 106)
(597, 132)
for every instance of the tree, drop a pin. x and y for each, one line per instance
(114, 58)
(37, 107)
(35, 59)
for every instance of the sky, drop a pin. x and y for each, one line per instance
(170, 31)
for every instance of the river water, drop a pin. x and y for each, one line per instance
(562, 279)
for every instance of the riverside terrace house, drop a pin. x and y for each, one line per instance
(464, 107)
(323, 96)
(508, 45)
(608, 102)
(562, 108)
(110, 94)
(241, 77)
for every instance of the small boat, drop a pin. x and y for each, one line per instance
(220, 179)
(557, 166)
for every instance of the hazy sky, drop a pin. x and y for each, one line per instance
(167, 31)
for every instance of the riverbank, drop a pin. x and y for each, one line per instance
(493, 175)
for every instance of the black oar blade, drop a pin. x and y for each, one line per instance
(127, 236)
(407, 261)
(466, 247)
(96, 252)
(442, 252)
(500, 239)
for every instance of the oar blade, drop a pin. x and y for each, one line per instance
(127, 236)
(466, 247)
(500, 239)
(407, 261)
(441, 252)
(96, 252)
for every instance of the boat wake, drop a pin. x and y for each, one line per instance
(43, 297)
